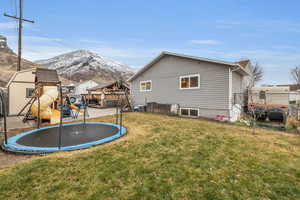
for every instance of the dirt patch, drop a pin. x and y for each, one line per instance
(7, 159)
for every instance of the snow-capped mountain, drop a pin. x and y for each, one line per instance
(85, 65)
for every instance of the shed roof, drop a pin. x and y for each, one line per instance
(16, 73)
(44, 75)
(239, 66)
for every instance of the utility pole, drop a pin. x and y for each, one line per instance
(20, 19)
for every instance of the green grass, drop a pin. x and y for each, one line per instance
(166, 158)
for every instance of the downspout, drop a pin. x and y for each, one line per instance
(231, 90)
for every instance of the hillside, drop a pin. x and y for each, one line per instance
(8, 62)
(85, 65)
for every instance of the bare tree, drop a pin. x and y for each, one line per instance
(295, 72)
(256, 74)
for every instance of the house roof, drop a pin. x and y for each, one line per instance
(243, 63)
(44, 75)
(293, 87)
(271, 89)
(101, 86)
(84, 82)
(239, 66)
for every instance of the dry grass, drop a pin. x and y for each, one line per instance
(165, 157)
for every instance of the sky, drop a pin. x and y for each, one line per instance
(135, 31)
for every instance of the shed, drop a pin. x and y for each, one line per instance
(20, 89)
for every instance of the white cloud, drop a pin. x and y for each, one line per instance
(119, 52)
(38, 52)
(7, 25)
(13, 25)
(38, 47)
(204, 42)
(35, 39)
(93, 42)
(42, 39)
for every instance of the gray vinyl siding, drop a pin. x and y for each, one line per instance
(237, 80)
(212, 94)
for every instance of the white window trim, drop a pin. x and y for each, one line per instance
(189, 109)
(188, 76)
(145, 82)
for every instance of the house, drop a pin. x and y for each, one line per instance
(68, 89)
(294, 93)
(199, 86)
(82, 87)
(20, 89)
(108, 94)
(270, 96)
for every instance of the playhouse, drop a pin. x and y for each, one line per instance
(19, 90)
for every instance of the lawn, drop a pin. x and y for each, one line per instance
(165, 157)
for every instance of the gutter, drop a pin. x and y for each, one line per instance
(240, 68)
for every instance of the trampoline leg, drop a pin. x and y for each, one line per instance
(121, 118)
(61, 116)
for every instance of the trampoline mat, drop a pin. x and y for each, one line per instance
(71, 135)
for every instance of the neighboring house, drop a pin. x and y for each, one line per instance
(82, 87)
(294, 93)
(200, 86)
(68, 89)
(108, 94)
(20, 89)
(270, 96)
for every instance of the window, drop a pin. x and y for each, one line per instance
(190, 81)
(194, 113)
(262, 94)
(184, 112)
(189, 112)
(145, 86)
(29, 92)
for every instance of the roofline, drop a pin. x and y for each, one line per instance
(101, 87)
(79, 83)
(164, 53)
(18, 72)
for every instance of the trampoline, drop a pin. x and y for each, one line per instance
(71, 136)
(63, 136)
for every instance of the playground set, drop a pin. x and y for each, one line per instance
(49, 104)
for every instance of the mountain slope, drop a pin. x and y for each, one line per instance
(85, 65)
(8, 62)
